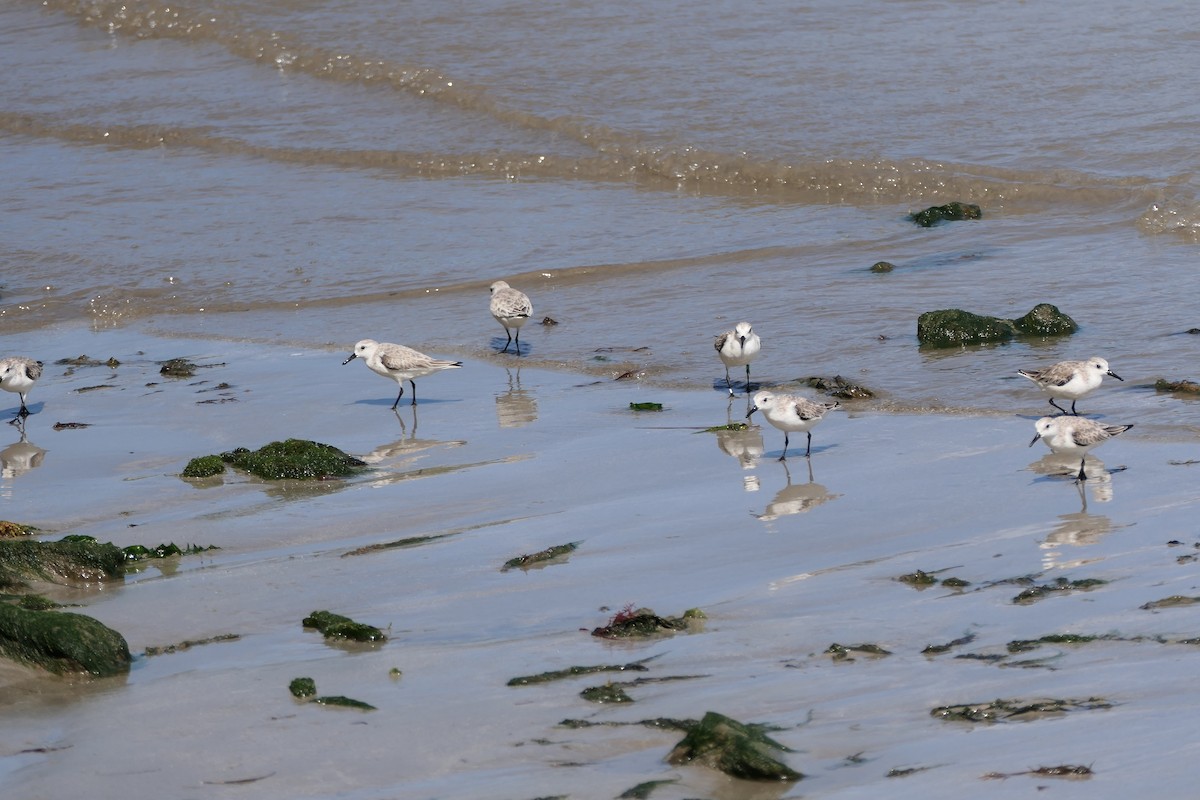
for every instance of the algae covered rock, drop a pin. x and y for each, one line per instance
(953, 327)
(204, 467)
(73, 559)
(61, 642)
(298, 459)
(1045, 319)
(735, 748)
(335, 626)
(949, 212)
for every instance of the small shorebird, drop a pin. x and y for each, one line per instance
(737, 348)
(789, 412)
(1070, 380)
(511, 309)
(18, 375)
(399, 363)
(1074, 436)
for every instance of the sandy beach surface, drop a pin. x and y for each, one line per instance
(497, 461)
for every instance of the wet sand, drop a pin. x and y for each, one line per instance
(499, 461)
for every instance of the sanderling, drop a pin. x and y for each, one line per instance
(737, 348)
(790, 413)
(18, 375)
(511, 309)
(399, 363)
(1070, 380)
(1074, 436)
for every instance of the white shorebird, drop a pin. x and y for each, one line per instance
(1070, 380)
(18, 374)
(511, 309)
(399, 363)
(1074, 436)
(738, 348)
(789, 412)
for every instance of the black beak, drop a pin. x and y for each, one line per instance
(351, 358)
(751, 411)
(1035, 438)
(1115, 375)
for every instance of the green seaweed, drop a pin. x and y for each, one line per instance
(574, 672)
(935, 649)
(188, 644)
(729, 426)
(335, 626)
(946, 213)
(138, 552)
(1045, 319)
(735, 748)
(643, 790)
(1026, 645)
(344, 702)
(839, 387)
(607, 693)
(62, 642)
(204, 467)
(303, 687)
(1178, 387)
(645, 406)
(629, 623)
(1174, 601)
(1060, 586)
(840, 652)
(177, 368)
(542, 556)
(296, 459)
(1002, 710)
(882, 266)
(919, 578)
(73, 559)
(953, 327)
(658, 723)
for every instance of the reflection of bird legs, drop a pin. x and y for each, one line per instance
(403, 427)
(1082, 497)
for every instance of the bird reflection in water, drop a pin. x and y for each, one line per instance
(796, 498)
(407, 446)
(745, 445)
(1079, 528)
(20, 456)
(516, 407)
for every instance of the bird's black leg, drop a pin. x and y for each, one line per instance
(506, 344)
(1073, 411)
(808, 450)
(785, 447)
(518, 341)
(747, 379)
(1061, 410)
(414, 391)
(398, 397)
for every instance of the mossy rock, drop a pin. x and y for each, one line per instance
(882, 266)
(1045, 319)
(1178, 387)
(949, 212)
(70, 560)
(204, 467)
(62, 642)
(953, 326)
(739, 750)
(298, 459)
(11, 530)
(335, 626)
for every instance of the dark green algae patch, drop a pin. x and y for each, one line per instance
(306, 689)
(1005, 710)
(294, 459)
(335, 626)
(73, 559)
(557, 552)
(950, 212)
(629, 623)
(954, 327)
(738, 749)
(62, 642)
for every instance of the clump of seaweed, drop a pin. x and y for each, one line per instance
(295, 459)
(1174, 601)
(558, 551)
(138, 552)
(1060, 585)
(839, 387)
(643, 790)
(936, 649)
(188, 644)
(629, 622)
(335, 626)
(738, 749)
(645, 406)
(954, 211)
(1069, 771)
(573, 672)
(1003, 710)
(306, 689)
(846, 652)
(606, 693)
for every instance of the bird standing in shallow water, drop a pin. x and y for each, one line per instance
(1070, 380)
(18, 374)
(512, 309)
(399, 363)
(737, 348)
(791, 413)
(1074, 436)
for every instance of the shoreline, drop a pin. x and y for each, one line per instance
(501, 462)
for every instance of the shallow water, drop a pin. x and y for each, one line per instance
(258, 185)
